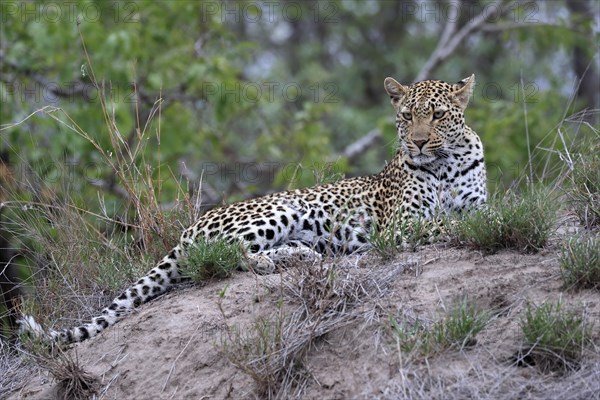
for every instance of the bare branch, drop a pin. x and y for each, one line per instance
(451, 39)
(76, 88)
(80, 89)
(357, 148)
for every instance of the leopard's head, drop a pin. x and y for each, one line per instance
(429, 116)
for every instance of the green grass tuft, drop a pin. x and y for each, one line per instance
(214, 258)
(401, 234)
(458, 329)
(580, 262)
(554, 338)
(516, 222)
(585, 190)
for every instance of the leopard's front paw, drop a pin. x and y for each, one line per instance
(261, 264)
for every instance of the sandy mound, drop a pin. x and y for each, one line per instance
(172, 348)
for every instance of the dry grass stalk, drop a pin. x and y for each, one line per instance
(328, 298)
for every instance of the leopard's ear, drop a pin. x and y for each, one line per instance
(462, 91)
(395, 90)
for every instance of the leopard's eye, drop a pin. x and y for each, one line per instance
(407, 116)
(438, 114)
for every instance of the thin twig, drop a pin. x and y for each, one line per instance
(530, 161)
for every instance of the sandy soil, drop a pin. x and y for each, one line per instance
(172, 348)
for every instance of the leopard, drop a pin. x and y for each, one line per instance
(438, 167)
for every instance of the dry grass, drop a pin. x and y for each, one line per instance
(19, 364)
(73, 382)
(493, 380)
(487, 371)
(15, 370)
(79, 259)
(325, 298)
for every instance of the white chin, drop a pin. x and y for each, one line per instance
(422, 159)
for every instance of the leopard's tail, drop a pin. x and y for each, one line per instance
(162, 277)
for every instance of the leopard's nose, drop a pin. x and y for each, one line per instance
(420, 143)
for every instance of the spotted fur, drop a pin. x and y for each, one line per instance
(439, 165)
